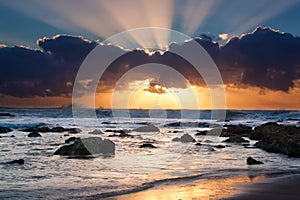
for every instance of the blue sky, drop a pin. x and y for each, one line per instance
(23, 22)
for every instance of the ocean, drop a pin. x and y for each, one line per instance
(45, 175)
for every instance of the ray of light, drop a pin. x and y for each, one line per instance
(193, 13)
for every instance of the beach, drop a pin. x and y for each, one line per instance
(231, 188)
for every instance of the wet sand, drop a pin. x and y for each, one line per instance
(198, 189)
(232, 188)
(286, 187)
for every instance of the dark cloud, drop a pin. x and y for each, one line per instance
(264, 58)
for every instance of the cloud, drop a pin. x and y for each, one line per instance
(264, 58)
(224, 36)
(156, 88)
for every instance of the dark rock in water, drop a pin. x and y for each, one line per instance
(188, 124)
(200, 133)
(147, 145)
(19, 161)
(43, 129)
(96, 132)
(5, 129)
(264, 129)
(148, 128)
(198, 144)
(58, 129)
(240, 130)
(185, 138)
(87, 147)
(6, 115)
(252, 161)
(71, 139)
(176, 139)
(122, 134)
(114, 131)
(12, 136)
(279, 139)
(73, 130)
(34, 134)
(219, 146)
(236, 139)
(176, 131)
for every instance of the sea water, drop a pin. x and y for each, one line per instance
(131, 168)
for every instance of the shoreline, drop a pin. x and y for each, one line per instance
(260, 186)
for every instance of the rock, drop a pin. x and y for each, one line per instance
(176, 139)
(122, 134)
(58, 129)
(240, 130)
(236, 139)
(96, 132)
(5, 129)
(200, 133)
(177, 131)
(6, 115)
(185, 138)
(19, 161)
(34, 134)
(252, 161)
(147, 145)
(12, 136)
(148, 128)
(87, 147)
(71, 139)
(188, 124)
(198, 144)
(115, 131)
(73, 130)
(267, 128)
(279, 139)
(219, 146)
(37, 129)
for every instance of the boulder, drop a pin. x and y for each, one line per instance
(185, 138)
(96, 132)
(240, 130)
(5, 129)
(58, 129)
(147, 145)
(34, 134)
(252, 161)
(73, 130)
(267, 128)
(236, 139)
(148, 128)
(19, 161)
(280, 139)
(87, 147)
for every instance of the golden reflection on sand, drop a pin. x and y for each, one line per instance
(199, 189)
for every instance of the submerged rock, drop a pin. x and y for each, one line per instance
(185, 138)
(34, 134)
(87, 147)
(96, 132)
(200, 133)
(267, 128)
(147, 145)
(19, 161)
(148, 128)
(5, 129)
(252, 161)
(236, 139)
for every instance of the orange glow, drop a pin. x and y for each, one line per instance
(250, 98)
(199, 189)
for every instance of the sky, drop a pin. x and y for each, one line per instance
(254, 44)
